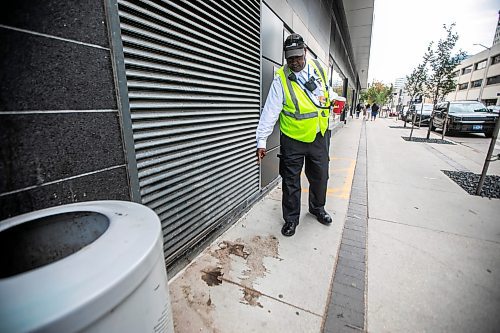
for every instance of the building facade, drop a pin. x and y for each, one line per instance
(478, 78)
(400, 95)
(496, 38)
(156, 102)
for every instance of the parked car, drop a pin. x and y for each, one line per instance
(403, 112)
(426, 113)
(464, 117)
(494, 109)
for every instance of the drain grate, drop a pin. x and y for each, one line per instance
(424, 140)
(469, 181)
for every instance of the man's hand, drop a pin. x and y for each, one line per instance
(261, 152)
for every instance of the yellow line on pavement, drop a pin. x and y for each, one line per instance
(337, 158)
(344, 191)
(339, 169)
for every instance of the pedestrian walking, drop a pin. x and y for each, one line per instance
(300, 97)
(367, 112)
(359, 107)
(374, 112)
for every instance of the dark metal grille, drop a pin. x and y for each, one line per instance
(479, 119)
(193, 77)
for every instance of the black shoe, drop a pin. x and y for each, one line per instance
(323, 217)
(288, 229)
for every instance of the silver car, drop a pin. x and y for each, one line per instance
(494, 109)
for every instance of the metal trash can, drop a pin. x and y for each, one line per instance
(85, 267)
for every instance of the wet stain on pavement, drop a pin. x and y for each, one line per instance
(251, 297)
(253, 251)
(234, 249)
(199, 303)
(213, 277)
(240, 262)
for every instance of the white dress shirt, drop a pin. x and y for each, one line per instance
(276, 99)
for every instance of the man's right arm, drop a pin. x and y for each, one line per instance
(269, 116)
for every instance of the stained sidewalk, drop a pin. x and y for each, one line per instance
(253, 279)
(431, 260)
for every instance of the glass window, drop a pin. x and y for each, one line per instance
(480, 65)
(475, 84)
(467, 69)
(493, 80)
(469, 107)
(495, 59)
(350, 92)
(418, 107)
(455, 73)
(337, 81)
(463, 86)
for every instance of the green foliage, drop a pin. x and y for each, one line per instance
(442, 64)
(377, 93)
(363, 97)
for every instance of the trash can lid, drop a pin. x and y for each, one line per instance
(73, 292)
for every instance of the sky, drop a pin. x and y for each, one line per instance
(402, 30)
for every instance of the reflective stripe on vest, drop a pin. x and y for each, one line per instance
(300, 117)
(297, 115)
(322, 74)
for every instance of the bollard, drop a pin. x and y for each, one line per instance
(444, 125)
(431, 121)
(421, 113)
(413, 123)
(488, 157)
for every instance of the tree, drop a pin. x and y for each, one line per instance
(363, 97)
(377, 93)
(442, 65)
(416, 81)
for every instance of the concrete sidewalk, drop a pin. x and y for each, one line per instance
(433, 249)
(253, 279)
(431, 255)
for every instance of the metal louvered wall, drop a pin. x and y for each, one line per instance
(193, 77)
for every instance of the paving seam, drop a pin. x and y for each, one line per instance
(416, 186)
(434, 230)
(457, 166)
(346, 311)
(223, 279)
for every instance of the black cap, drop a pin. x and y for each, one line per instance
(294, 46)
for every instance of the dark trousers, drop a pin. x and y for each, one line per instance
(292, 156)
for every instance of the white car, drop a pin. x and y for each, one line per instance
(403, 112)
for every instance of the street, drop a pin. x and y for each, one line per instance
(476, 142)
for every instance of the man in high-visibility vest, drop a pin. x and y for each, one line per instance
(299, 96)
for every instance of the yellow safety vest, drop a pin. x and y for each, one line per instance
(299, 117)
